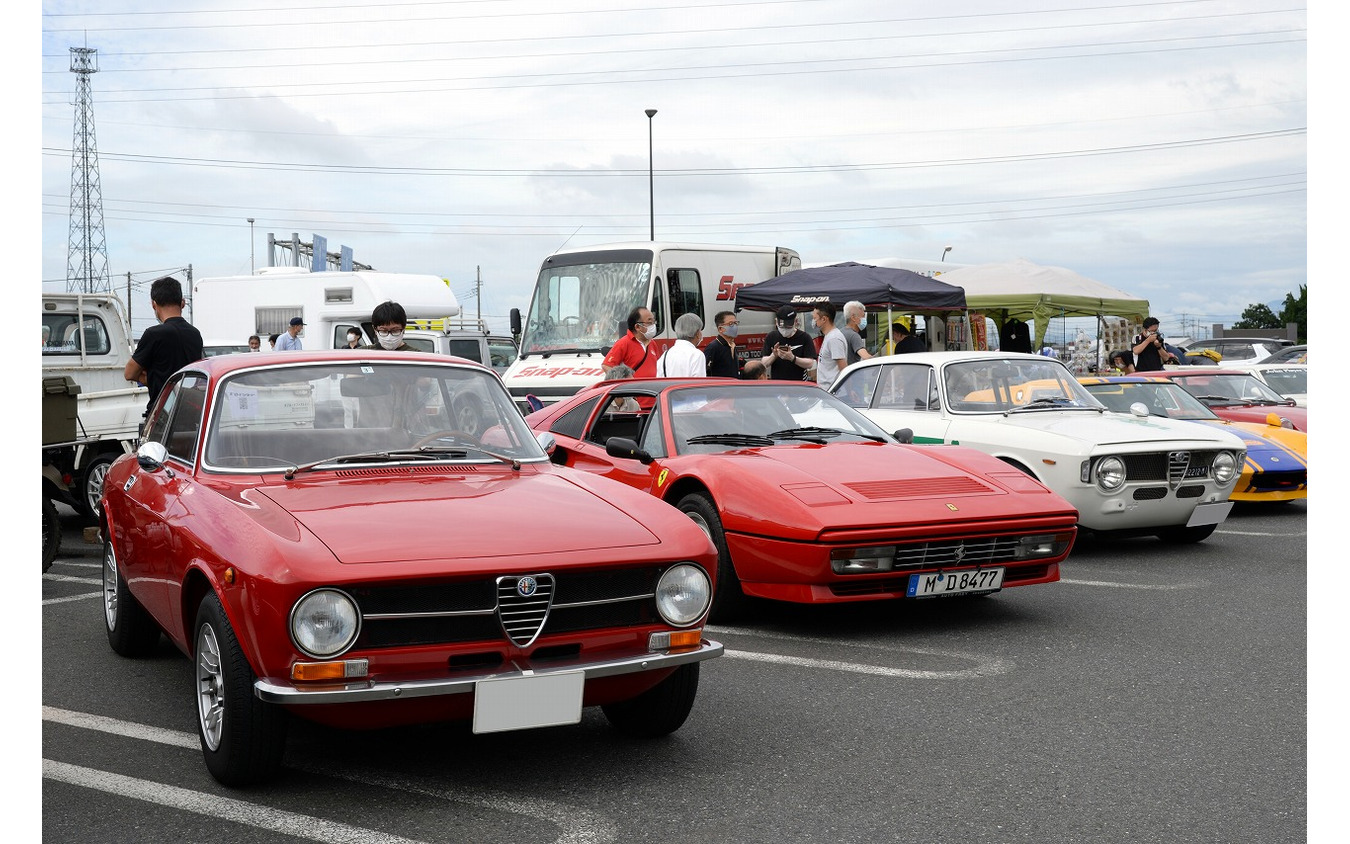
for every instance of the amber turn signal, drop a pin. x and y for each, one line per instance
(341, 670)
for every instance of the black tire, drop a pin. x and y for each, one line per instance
(728, 599)
(132, 631)
(89, 500)
(51, 532)
(1186, 535)
(242, 738)
(660, 710)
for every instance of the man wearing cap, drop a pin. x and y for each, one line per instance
(290, 341)
(903, 342)
(788, 353)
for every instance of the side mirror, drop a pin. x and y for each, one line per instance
(515, 321)
(1138, 408)
(546, 441)
(151, 456)
(626, 448)
(905, 435)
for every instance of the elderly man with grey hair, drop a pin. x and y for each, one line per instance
(683, 359)
(855, 321)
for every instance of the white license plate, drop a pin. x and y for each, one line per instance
(1210, 514)
(522, 703)
(954, 582)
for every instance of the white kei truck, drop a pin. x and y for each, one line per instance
(582, 298)
(91, 414)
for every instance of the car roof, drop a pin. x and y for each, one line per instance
(224, 364)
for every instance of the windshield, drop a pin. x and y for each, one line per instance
(1287, 382)
(584, 305)
(997, 385)
(1235, 388)
(714, 419)
(273, 418)
(1162, 398)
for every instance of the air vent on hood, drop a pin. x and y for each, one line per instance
(919, 488)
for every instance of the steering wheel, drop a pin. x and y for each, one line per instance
(440, 435)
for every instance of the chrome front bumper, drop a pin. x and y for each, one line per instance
(369, 690)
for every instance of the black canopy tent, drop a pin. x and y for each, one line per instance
(875, 287)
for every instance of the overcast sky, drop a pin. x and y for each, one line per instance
(1159, 147)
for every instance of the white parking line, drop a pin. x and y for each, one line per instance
(65, 578)
(1260, 533)
(81, 597)
(577, 825)
(216, 806)
(1162, 587)
(983, 666)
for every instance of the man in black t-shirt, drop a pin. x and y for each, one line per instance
(167, 347)
(788, 351)
(1149, 351)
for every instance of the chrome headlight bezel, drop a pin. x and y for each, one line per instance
(683, 594)
(1226, 467)
(1109, 473)
(324, 623)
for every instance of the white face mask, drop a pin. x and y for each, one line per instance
(352, 338)
(649, 331)
(787, 332)
(389, 342)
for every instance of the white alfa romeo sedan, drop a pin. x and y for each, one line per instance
(1128, 475)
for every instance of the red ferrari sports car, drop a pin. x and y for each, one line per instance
(809, 501)
(1237, 395)
(323, 536)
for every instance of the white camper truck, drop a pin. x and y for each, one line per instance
(583, 296)
(330, 303)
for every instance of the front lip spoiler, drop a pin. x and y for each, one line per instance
(270, 691)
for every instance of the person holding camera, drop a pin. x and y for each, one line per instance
(1149, 351)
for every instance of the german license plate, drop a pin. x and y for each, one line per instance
(522, 703)
(954, 582)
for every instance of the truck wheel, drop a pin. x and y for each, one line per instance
(728, 599)
(90, 499)
(51, 532)
(131, 630)
(242, 738)
(661, 709)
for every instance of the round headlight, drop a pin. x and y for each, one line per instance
(1111, 473)
(324, 623)
(683, 594)
(1225, 467)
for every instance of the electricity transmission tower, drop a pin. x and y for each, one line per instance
(87, 260)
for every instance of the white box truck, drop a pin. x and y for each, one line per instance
(583, 295)
(227, 309)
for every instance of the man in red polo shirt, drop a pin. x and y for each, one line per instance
(634, 348)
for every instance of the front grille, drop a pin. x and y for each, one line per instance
(1170, 466)
(492, 610)
(955, 552)
(1280, 480)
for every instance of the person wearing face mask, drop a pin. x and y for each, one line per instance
(634, 348)
(788, 353)
(855, 322)
(390, 321)
(353, 338)
(721, 352)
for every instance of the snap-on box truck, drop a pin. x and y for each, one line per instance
(583, 295)
(227, 309)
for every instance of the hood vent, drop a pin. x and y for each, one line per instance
(919, 488)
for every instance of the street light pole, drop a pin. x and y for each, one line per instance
(250, 246)
(944, 254)
(651, 183)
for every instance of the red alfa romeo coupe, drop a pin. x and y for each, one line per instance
(322, 536)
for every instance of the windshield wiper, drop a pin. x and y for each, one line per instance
(730, 439)
(1050, 402)
(810, 433)
(426, 452)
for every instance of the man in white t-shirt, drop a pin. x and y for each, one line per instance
(833, 346)
(684, 359)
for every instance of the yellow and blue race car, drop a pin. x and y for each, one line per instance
(1276, 469)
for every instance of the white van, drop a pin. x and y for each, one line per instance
(583, 296)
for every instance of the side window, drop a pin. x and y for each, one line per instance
(1237, 351)
(859, 387)
(907, 387)
(573, 423)
(470, 349)
(185, 420)
(652, 441)
(686, 293)
(63, 334)
(339, 340)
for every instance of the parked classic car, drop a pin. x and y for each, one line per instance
(315, 534)
(1126, 475)
(1288, 379)
(1237, 395)
(806, 500)
(1276, 468)
(1240, 349)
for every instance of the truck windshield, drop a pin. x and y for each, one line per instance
(583, 305)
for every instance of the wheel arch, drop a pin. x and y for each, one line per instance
(1020, 466)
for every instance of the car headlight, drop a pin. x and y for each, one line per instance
(862, 560)
(325, 623)
(1041, 545)
(683, 594)
(1110, 472)
(1225, 467)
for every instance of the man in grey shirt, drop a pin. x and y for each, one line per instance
(855, 320)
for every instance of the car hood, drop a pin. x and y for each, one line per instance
(424, 517)
(1107, 429)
